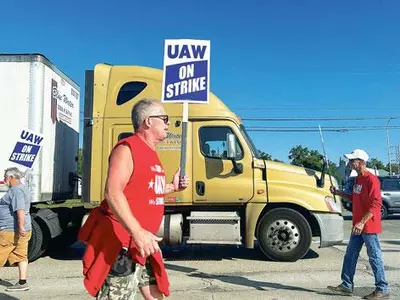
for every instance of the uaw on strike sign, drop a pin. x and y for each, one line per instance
(26, 148)
(186, 71)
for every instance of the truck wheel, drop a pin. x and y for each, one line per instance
(284, 235)
(35, 247)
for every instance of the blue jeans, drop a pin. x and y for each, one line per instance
(356, 242)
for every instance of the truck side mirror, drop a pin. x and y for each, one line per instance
(231, 153)
(231, 146)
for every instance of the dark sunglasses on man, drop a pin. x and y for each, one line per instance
(165, 118)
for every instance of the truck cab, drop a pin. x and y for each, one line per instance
(235, 197)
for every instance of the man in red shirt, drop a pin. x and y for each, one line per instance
(367, 224)
(122, 253)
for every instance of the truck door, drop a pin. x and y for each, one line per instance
(214, 180)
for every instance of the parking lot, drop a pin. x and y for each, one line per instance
(224, 272)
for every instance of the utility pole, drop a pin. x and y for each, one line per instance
(398, 157)
(388, 145)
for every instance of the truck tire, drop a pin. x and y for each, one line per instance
(284, 235)
(35, 247)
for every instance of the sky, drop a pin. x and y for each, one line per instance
(269, 59)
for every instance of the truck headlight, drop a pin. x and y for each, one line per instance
(333, 206)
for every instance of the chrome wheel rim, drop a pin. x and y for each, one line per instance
(283, 235)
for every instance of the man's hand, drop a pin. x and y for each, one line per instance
(333, 190)
(146, 242)
(358, 228)
(22, 231)
(180, 183)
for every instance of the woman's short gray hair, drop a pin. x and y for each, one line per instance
(141, 111)
(14, 172)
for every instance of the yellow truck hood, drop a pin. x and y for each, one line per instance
(297, 185)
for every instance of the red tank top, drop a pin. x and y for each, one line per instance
(145, 189)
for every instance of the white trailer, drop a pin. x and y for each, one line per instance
(39, 121)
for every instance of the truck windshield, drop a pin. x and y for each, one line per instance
(249, 142)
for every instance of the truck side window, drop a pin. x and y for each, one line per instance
(213, 142)
(124, 135)
(129, 91)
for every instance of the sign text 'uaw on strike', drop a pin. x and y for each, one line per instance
(27, 148)
(186, 71)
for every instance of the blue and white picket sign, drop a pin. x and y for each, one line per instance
(27, 148)
(186, 71)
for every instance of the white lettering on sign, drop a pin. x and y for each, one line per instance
(26, 148)
(23, 157)
(186, 86)
(186, 71)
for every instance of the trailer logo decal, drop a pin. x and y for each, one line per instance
(63, 108)
(27, 148)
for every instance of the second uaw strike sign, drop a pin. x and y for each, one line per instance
(186, 71)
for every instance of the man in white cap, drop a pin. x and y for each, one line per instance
(367, 203)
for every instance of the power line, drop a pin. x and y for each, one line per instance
(316, 130)
(296, 119)
(312, 108)
(325, 128)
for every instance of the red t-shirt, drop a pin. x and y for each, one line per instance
(366, 197)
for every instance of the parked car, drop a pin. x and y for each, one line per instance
(390, 191)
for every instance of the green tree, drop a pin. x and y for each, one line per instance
(80, 161)
(311, 159)
(264, 155)
(375, 163)
(395, 168)
(298, 154)
(267, 156)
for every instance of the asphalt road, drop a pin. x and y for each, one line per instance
(224, 273)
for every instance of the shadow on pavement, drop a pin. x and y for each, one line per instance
(74, 252)
(393, 217)
(217, 253)
(243, 281)
(236, 279)
(391, 250)
(5, 283)
(7, 297)
(170, 253)
(392, 242)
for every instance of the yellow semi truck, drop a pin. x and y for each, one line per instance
(235, 197)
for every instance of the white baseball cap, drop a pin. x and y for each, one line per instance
(358, 154)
